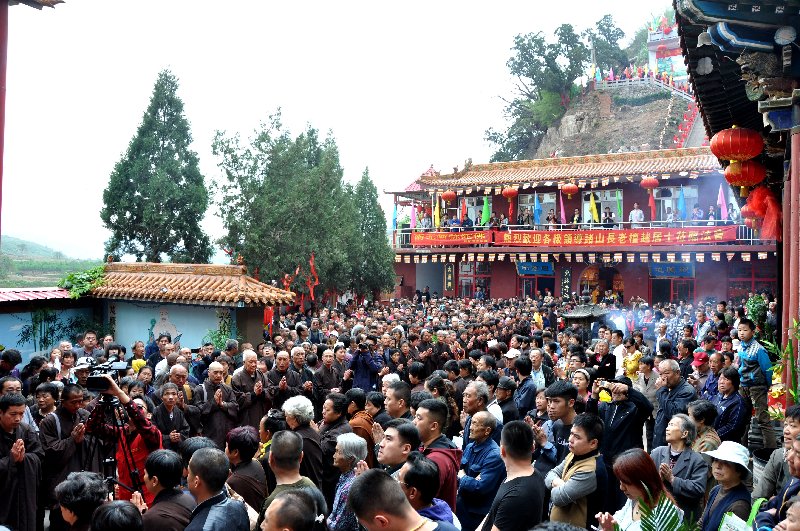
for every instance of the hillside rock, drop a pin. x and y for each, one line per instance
(625, 119)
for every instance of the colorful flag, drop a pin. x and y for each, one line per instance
(413, 216)
(563, 214)
(537, 209)
(598, 76)
(619, 206)
(682, 206)
(593, 208)
(463, 208)
(723, 205)
(486, 215)
(611, 74)
(436, 218)
(394, 218)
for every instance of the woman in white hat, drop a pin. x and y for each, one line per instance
(730, 495)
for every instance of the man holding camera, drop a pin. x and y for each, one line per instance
(366, 364)
(623, 418)
(135, 436)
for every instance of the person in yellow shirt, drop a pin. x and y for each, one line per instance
(630, 362)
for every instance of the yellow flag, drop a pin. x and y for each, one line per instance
(436, 214)
(593, 208)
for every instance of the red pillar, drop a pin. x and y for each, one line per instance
(3, 64)
(791, 277)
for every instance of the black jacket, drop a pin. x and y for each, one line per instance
(623, 422)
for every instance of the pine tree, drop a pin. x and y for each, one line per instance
(156, 195)
(374, 269)
(282, 199)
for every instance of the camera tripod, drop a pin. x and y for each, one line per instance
(115, 417)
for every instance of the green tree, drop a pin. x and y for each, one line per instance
(605, 39)
(545, 74)
(156, 196)
(282, 198)
(373, 270)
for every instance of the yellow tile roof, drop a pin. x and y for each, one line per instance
(212, 285)
(581, 167)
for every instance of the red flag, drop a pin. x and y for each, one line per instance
(269, 314)
(463, 208)
(313, 280)
(652, 203)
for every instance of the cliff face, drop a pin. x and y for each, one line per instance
(623, 119)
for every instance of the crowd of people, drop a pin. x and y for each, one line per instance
(427, 414)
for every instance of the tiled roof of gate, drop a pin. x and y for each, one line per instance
(578, 168)
(32, 294)
(212, 285)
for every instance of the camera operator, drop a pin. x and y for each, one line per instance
(366, 363)
(134, 434)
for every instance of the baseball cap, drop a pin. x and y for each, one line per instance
(699, 359)
(507, 383)
(512, 353)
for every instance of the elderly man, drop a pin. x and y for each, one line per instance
(673, 397)
(482, 472)
(251, 385)
(603, 361)
(179, 375)
(541, 374)
(219, 409)
(283, 382)
(477, 398)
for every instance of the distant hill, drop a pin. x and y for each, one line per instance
(635, 118)
(25, 263)
(17, 247)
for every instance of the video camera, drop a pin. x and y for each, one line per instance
(96, 383)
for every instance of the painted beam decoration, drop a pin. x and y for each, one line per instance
(425, 239)
(615, 238)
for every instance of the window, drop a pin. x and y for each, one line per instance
(546, 200)
(751, 277)
(602, 199)
(473, 275)
(474, 207)
(667, 197)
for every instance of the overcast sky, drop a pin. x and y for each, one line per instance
(401, 86)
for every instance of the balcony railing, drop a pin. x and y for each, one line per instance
(621, 234)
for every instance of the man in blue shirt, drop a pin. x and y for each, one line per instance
(755, 369)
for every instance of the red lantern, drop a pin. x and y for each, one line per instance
(449, 196)
(510, 193)
(737, 144)
(649, 183)
(747, 212)
(569, 189)
(750, 174)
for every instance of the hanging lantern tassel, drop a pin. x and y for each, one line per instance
(510, 193)
(767, 209)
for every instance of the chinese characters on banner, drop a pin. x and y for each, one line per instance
(424, 239)
(449, 277)
(615, 238)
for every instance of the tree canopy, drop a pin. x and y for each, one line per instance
(156, 195)
(546, 72)
(283, 197)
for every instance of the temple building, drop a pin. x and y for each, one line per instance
(568, 227)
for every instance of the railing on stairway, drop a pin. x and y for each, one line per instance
(640, 81)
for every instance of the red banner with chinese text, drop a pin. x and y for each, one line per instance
(616, 238)
(480, 237)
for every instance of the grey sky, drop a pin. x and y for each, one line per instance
(400, 85)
